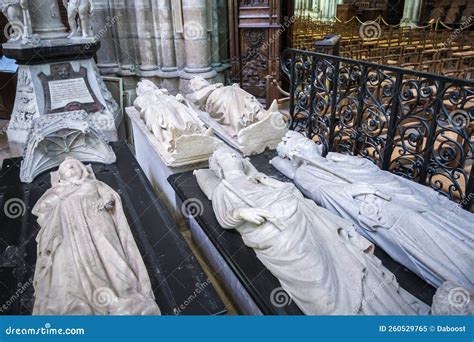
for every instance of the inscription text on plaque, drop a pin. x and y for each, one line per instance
(63, 92)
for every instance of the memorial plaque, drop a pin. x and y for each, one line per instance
(66, 90)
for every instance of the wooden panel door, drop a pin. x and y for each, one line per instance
(256, 34)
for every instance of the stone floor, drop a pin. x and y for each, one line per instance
(231, 309)
(5, 153)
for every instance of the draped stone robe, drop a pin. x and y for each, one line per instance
(230, 106)
(87, 260)
(416, 226)
(319, 258)
(166, 117)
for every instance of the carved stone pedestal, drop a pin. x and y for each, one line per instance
(58, 76)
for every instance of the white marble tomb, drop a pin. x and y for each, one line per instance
(85, 235)
(169, 138)
(236, 116)
(171, 127)
(418, 227)
(320, 260)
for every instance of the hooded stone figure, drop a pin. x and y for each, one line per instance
(87, 260)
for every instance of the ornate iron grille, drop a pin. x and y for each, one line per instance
(414, 124)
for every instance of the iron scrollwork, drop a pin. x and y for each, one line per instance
(414, 124)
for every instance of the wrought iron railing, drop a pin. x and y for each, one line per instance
(414, 124)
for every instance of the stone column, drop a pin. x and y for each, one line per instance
(332, 11)
(196, 40)
(411, 12)
(169, 68)
(324, 8)
(407, 10)
(125, 40)
(144, 24)
(327, 9)
(167, 38)
(104, 23)
(177, 20)
(156, 32)
(213, 13)
(317, 8)
(416, 12)
(197, 47)
(46, 20)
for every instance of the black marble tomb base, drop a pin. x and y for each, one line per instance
(70, 51)
(253, 275)
(179, 283)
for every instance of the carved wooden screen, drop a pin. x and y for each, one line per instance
(255, 43)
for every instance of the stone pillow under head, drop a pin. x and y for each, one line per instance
(207, 181)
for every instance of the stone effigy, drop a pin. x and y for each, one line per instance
(19, 20)
(416, 226)
(237, 117)
(57, 136)
(87, 260)
(320, 260)
(83, 10)
(179, 136)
